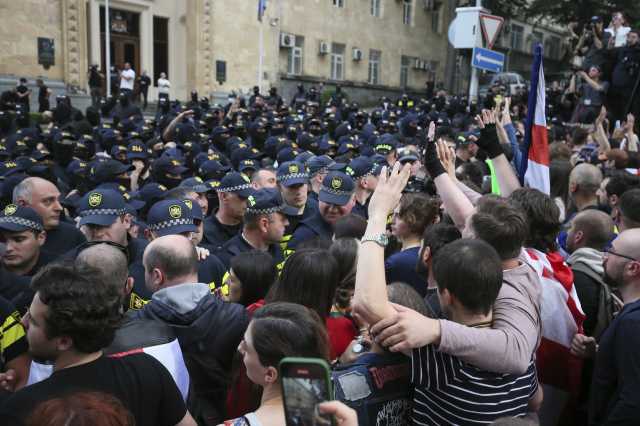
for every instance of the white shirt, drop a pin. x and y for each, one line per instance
(620, 35)
(163, 85)
(127, 84)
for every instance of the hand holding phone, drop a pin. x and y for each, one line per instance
(306, 382)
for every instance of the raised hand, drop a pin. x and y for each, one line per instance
(389, 190)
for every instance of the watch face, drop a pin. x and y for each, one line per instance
(357, 348)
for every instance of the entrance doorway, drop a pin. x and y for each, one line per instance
(124, 42)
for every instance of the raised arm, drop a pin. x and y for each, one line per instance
(454, 201)
(600, 135)
(489, 142)
(168, 132)
(370, 299)
(632, 138)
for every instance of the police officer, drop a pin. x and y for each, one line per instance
(104, 218)
(23, 233)
(293, 181)
(317, 167)
(336, 199)
(263, 228)
(226, 222)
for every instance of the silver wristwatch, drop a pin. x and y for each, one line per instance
(381, 239)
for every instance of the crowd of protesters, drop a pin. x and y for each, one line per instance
(156, 271)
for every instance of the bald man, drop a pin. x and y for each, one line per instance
(43, 196)
(584, 182)
(135, 334)
(590, 233)
(208, 329)
(615, 392)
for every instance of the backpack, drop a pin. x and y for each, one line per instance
(608, 303)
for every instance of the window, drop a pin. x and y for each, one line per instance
(337, 61)
(375, 8)
(552, 47)
(294, 58)
(338, 3)
(407, 11)
(536, 37)
(374, 66)
(404, 71)
(160, 47)
(517, 37)
(435, 20)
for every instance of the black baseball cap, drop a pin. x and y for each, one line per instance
(166, 164)
(109, 170)
(318, 164)
(265, 201)
(15, 218)
(170, 217)
(196, 184)
(292, 173)
(361, 167)
(237, 183)
(337, 188)
(101, 207)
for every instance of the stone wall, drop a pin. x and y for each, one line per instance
(21, 23)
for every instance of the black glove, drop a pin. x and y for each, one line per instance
(431, 161)
(489, 141)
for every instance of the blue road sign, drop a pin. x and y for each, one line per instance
(486, 59)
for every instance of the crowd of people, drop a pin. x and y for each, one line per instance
(156, 271)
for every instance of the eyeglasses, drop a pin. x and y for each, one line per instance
(120, 247)
(609, 251)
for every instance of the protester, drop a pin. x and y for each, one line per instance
(127, 80)
(276, 331)
(251, 275)
(207, 328)
(163, 87)
(68, 324)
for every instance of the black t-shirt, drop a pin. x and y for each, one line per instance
(22, 89)
(139, 381)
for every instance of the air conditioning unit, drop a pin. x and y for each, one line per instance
(357, 54)
(287, 40)
(324, 48)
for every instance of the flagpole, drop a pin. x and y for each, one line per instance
(107, 47)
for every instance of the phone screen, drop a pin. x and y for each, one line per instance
(304, 386)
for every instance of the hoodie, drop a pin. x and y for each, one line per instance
(209, 331)
(587, 288)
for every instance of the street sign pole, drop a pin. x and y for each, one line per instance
(473, 84)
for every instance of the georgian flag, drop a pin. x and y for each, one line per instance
(534, 167)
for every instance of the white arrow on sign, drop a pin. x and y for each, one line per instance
(481, 58)
(491, 26)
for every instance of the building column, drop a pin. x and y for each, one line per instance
(94, 33)
(146, 47)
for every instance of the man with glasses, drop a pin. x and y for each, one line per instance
(615, 391)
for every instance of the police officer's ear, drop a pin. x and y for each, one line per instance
(128, 286)
(127, 219)
(263, 224)
(41, 237)
(425, 255)
(22, 203)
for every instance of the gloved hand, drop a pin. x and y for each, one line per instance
(488, 136)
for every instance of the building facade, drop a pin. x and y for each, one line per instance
(370, 47)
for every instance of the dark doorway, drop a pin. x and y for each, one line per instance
(125, 38)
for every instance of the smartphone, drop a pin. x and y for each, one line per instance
(305, 382)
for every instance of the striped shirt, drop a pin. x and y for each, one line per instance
(448, 391)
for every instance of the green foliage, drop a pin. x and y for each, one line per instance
(565, 11)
